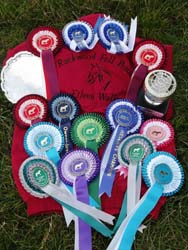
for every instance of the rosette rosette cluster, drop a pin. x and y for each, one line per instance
(75, 161)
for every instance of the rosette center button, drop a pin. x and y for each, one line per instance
(163, 174)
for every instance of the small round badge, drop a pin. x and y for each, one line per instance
(63, 107)
(35, 173)
(44, 38)
(124, 113)
(77, 163)
(165, 169)
(149, 53)
(89, 127)
(112, 31)
(78, 33)
(30, 108)
(41, 137)
(134, 148)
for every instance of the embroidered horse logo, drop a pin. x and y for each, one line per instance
(38, 173)
(64, 108)
(44, 141)
(136, 150)
(32, 111)
(148, 57)
(89, 131)
(163, 173)
(156, 133)
(45, 41)
(78, 166)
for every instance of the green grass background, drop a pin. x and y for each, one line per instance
(166, 21)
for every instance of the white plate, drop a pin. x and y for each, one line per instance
(23, 75)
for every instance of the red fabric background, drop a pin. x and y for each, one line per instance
(95, 78)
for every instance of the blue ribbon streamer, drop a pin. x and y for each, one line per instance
(111, 154)
(147, 203)
(65, 127)
(53, 155)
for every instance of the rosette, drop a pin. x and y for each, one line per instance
(149, 53)
(124, 118)
(90, 131)
(63, 109)
(44, 139)
(79, 35)
(44, 41)
(77, 163)
(161, 133)
(30, 109)
(114, 35)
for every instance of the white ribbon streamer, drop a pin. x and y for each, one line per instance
(69, 216)
(131, 40)
(62, 195)
(74, 44)
(134, 189)
(131, 187)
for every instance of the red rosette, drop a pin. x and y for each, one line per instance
(30, 108)
(150, 53)
(44, 38)
(161, 133)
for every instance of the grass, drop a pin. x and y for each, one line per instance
(164, 20)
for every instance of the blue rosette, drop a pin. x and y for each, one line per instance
(113, 35)
(124, 118)
(133, 115)
(78, 35)
(163, 169)
(63, 109)
(44, 139)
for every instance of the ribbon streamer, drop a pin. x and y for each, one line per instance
(131, 40)
(136, 82)
(50, 74)
(83, 239)
(110, 161)
(125, 235)
(65, 126)
(88, 214)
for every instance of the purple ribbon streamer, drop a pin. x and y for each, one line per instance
(109, 174)
(84, 230)
(50, 74)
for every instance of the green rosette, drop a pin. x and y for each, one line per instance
(90, 130)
